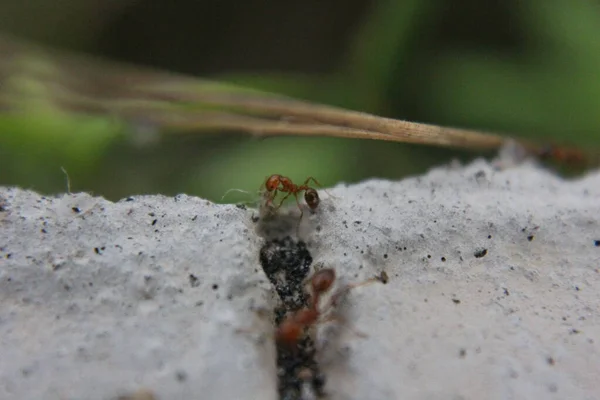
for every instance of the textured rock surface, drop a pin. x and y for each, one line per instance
(100, 299)
(494, 286)
(493, 292)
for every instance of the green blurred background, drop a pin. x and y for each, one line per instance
(528, 68)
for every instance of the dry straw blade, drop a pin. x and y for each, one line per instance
(181, 104)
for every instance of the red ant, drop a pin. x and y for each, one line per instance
(279, 183)
(292, 327)
(569, 156)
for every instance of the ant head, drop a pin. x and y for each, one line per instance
(272, 182)
(312, 198)
(322, 280)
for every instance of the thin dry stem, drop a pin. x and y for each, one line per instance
(180, 104)
(408, 131)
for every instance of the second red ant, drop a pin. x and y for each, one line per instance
(291, 329)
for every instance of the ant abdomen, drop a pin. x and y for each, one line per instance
(312, 198)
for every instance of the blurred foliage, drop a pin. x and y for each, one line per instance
(528, 68)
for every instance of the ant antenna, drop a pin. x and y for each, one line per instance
(330, 195)
(67, 178)
(235, 190)
(335, 298)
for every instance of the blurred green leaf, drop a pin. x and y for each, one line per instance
(36, 145)
(540, 96)
(379, 48)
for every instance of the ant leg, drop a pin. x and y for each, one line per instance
(333, 302)
(255, 335)
(310, 178)
(299, 206)
(301, 214)
(270, 197)
(282, 200)
(330, 318)
(258, 335)
(343, 322)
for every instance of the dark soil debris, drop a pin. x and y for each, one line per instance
(597, 243)
(480, 253)
(181, 376)
(383, 277)
(194, 281)
(286, 263)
